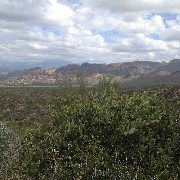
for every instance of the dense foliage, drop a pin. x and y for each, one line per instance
(24, 108)
(8, 145)
(104, 134)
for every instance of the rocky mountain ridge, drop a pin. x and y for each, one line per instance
(125, 69)
(124, 72)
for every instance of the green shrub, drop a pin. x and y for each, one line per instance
(105, 135)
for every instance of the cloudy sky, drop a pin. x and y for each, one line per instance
(89, 30)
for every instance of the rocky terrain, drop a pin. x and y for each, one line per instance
(135, 68)
(135, 73)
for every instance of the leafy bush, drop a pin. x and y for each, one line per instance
(105, 135)
(8, 144)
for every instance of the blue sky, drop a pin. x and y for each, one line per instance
(89, 30)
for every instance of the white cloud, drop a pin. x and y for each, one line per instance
(145, 26)
(140, 43)
(33, 12)
(136, 5)
(173, 45)
(106, 21)
(83, 40)
(60, 13)
(62, 29)
(172, 33)
(36, 46)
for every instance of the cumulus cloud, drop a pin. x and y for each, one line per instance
(84, 31)
(32, 12)
(172, 33)
(136, 5)
(107, 21)
(76, 40)
(140, 43)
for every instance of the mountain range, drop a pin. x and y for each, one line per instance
(130, 74)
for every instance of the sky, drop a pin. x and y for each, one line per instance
(95, 31)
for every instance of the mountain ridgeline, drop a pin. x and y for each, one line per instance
(136, 68)
(130, 74)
